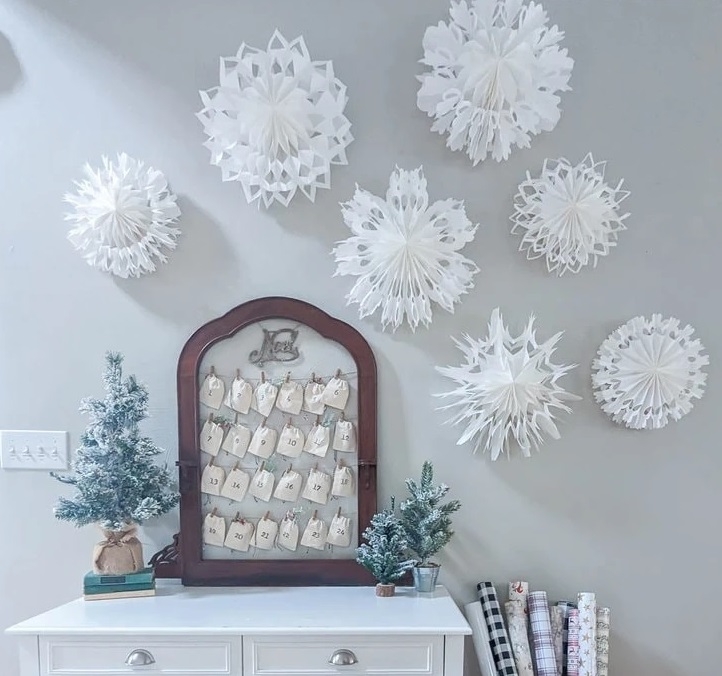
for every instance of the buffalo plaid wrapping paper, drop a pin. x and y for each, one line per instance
(541, 631)
(573, 643)
(503, 656)
(566, 606)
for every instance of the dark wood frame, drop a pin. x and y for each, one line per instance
(280, 572)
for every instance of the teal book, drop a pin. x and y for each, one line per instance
(115, 588)
(144, 576)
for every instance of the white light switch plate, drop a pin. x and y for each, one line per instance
(33, 449)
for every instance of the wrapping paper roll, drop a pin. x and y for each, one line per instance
(587, 604)
(516, 621)
(518, 591)
(603, 641)
(541, 631)
(565, 606)
(480, 636)
(557, 617)
(573, 643)
(503, 655)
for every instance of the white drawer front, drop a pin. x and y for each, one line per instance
(101, 656)
(309, 655)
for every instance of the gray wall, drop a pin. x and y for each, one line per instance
(627, 514)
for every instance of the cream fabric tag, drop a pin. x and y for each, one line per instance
(237, 440)
(262, 485)
(342, 483)
(212, 391)
(211, 437)
(265, 535)
(314, 534)
(290, 398)
(339, 532)
(239, 395)
(289, 486)
(264, 398)
(313, 398)
(317, 487)
(336, 393)
(212, 479)
(344, 436)
(239, 535)
(317, 441)
(236, 485)
(214, 530)
(263, 442)
(288, 533)
(290, 442)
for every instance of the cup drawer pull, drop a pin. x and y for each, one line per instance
(140, 658)
(343, 658)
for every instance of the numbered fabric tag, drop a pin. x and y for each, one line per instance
(212, 479)
(315, 534)
(236, 484)
(290, 398)
(266, 532)
(263, 442)
(342, 483)
(313, 398)
(239, 536)
(262, 485)
(211, 437)
(317, 487)
(214, 529)
(288, 532)
(290, 441)
(212, 391)
(289, 486)
(237, 440)
(336, 393)
(344, 436)
(264, 398)
(240, 395)
(317, 441)
(339, 532)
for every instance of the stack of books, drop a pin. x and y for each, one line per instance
(101, 587)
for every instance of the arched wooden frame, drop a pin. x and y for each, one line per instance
(278, 572)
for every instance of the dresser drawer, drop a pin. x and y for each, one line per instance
(101, 656)
(309, 655)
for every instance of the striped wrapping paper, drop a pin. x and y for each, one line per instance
(556, 614)
(603, 616)
(587, 603)
(516, 621)
(541, 630)
(565, 606)
(503, 656)
(573, 643)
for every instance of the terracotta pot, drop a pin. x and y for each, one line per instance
(385, 590)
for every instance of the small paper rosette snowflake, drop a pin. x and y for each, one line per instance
(569, 215)
(495, 72)
(123, 217)
(507, 389)
(275, 123)
(404, 252)
(648, 372)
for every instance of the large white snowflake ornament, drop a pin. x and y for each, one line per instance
(648, 372)
(275, 123)
(123, 217)
(569, 215)
(404, 252)
(507, 389)
(496, 70)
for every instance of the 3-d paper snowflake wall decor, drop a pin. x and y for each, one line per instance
(276, 122)
(507, 389)
(404, 252)
(123, 216)
(648, 371)
(569, 214)
(496, 69)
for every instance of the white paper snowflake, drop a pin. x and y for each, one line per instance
(568, 214)
(648, 371)
(496, 68)
(123, 216)
(507, 389)
(404, 252)
(276, 124)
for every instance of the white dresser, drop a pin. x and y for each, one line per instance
(246, 632)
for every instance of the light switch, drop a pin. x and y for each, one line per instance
(33, 449)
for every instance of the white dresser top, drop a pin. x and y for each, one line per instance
(256, 610)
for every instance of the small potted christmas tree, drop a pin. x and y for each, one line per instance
(427, 524)
(118, 484)
(385, 554)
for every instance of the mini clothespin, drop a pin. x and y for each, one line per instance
(315, 514)
(235, 419)
(210, 462)
(313, 376)
(288, 377)
(263, 422)
(290, 469)
(213, 513)
(237, 517)
(338, 512)
(263, 376)
(338, 373)
(238, 374)
(235, 467)
(266, 515)
(318, 420)
(342, 416)
(210, 417)
(263, 464)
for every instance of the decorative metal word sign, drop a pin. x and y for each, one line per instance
(277, 346)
